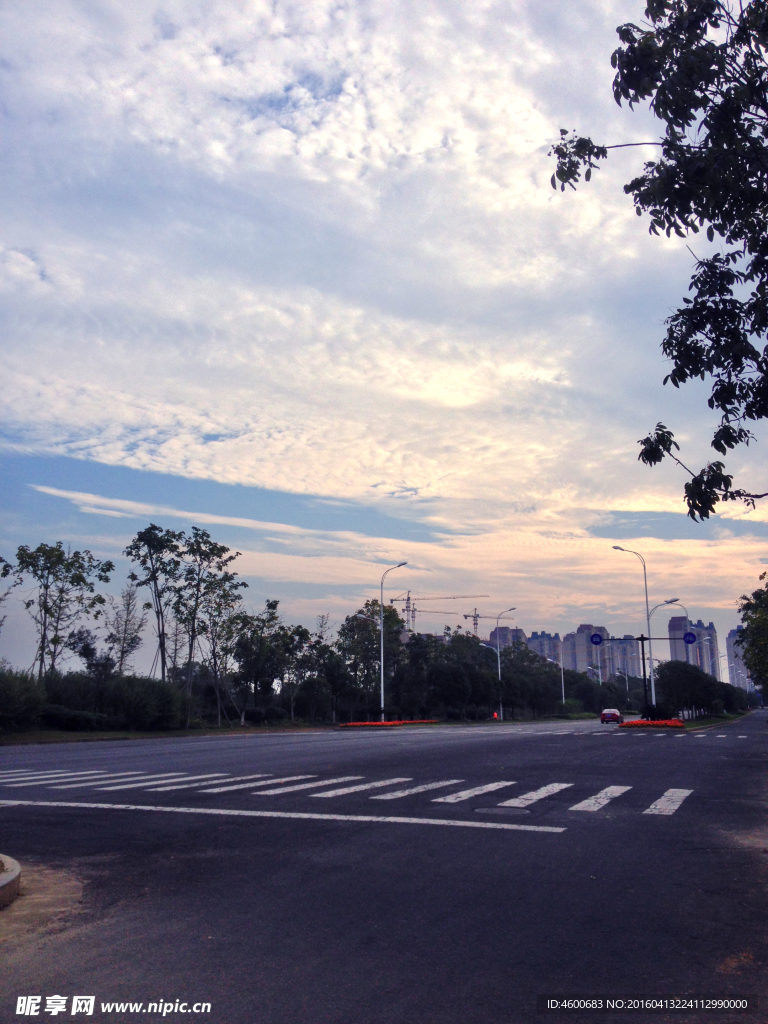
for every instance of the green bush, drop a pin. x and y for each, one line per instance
(569, 707)
(22, 699)
(54, 716)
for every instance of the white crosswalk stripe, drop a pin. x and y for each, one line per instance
(537, 794)
(189, 782)
(249, 782)
(142, 782)
(109, 778)
(416, 789)
(359, 789)
(467, 794)
(669, 802)
(50, 775)
(305, 785)
(594, 803)
(250, 785)
(90, 776)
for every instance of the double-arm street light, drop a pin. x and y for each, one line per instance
(498, 661)
(647, 616)
(381, 629)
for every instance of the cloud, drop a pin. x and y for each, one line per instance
(312, 247)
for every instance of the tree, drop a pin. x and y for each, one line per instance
(100, 665)
(65, 584)
(701, 66)
(257, 654)
(157, 553)
(754, 637)
(6, 570)
(125, 623)
(203, 572)
(218, 619)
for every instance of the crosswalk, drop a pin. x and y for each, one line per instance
(267, 785)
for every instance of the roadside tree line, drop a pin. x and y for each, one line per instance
(217, 662)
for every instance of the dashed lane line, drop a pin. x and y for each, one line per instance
(306, 785)
(669, 802)
(594, 803)
(416, 789)
(537, 794)
(359, 789)
(467, 794)
(227, 812)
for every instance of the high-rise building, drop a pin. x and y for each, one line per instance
(581, 655)
(623, 657)
(678, 648)
(737, 670)
(546, 645)
(704, 652)
(507, 635)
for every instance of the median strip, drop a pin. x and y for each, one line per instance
(228, 812)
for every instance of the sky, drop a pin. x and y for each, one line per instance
(294, 272)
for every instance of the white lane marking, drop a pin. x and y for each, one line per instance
(85, 776)
(147, 778)
(189, 782)
(306, 785)
(467, 794)
(229, 812)
(669, 802)
(594, 803)
(720, 736)
(416, 789)
(109, 778)
(700, 735)
(359, 789)
(239, 778)
(741, 737)
(536, 794)
(250, 785)
(51, 775)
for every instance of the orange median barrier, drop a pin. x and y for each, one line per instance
(643, 723)
(387, 725)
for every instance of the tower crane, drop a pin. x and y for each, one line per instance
(475, 616)
(410, 606)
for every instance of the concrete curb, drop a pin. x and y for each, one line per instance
(10, 877)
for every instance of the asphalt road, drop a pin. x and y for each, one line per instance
(626, 864)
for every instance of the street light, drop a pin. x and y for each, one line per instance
(498, 660)
(381, 628)
(647, 615)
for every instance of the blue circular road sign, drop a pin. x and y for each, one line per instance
(690, 638)
(596, 639)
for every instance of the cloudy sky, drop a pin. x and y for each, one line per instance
(293, 271)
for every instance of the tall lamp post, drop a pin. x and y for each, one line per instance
(498, 661)
(381, 629)
(647, 616)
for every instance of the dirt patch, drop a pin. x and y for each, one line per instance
(48, 899)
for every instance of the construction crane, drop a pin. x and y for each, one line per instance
(475, 616)
(410, 607)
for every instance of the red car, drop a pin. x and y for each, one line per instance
(611, 715)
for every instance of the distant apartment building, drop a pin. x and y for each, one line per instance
(581, 655)
(737, 670)
(623, 657)
(704, 652)
(546, 645)
(507, 635)
(615, 658)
